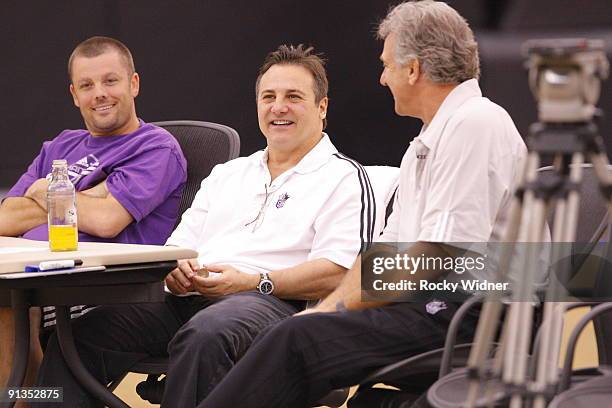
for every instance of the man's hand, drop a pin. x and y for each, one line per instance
(38, 192)
(320, 308)
(312, 310)
(226, 281)
(179, 280)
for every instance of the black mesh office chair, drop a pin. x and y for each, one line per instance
(204, 145)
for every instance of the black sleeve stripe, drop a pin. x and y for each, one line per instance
(389, 209)
(368, 211)
(371, 201)
(371, 208)
(361, 227)
(356, 165)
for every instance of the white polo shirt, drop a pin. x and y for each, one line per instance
(458, 176)
(321, 208)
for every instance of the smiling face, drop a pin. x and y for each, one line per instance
(289, 117)
(402, 80)
(104, 91)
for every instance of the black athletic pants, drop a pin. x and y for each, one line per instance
(203, 338)
(299, 360)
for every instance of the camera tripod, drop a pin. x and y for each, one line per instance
(567, 145)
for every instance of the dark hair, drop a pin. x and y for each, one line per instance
(303, 57)
(94, 46)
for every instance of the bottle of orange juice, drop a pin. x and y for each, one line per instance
(61, 206)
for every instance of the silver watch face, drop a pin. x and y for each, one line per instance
(266, 287)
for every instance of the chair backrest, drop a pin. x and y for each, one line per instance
(384, 180)
(590, 230)
(592, 226)
(593, 206)
(204, 145)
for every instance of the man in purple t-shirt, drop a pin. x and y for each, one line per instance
(129, 175)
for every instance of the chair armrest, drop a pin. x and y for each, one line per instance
(453, 329)
(563, 308)
(335, 399)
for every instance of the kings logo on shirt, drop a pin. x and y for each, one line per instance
(281, 200)
(82, 168)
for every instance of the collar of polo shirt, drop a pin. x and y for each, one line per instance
(430, 134)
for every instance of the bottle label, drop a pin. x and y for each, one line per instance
(71, 216)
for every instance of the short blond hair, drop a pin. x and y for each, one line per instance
(94, 46)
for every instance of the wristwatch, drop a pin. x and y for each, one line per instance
(265, 286)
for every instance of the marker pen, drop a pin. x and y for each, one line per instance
(60, 264)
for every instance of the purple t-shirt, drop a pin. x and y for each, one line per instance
(145, 171)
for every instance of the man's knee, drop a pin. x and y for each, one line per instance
(287, 331)
(113, 326)
(204, 330)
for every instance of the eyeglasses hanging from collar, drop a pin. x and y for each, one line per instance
(257, 221)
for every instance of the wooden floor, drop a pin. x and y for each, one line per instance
(586, 356)
(127, 391)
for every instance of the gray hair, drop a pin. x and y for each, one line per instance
(437, 36)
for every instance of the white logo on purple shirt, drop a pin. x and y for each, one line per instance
(83, 167)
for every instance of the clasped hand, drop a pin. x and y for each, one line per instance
(188, 277)
(38, 192)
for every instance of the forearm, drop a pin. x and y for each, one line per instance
(348, 294)
(19, 215)
(101, 217)
(310, 280)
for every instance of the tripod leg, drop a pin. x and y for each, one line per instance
(516, 351)
(491, 312)
(566, 221)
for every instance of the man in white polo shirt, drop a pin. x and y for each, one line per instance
(456, 181)
(273, 230)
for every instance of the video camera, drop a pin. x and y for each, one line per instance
(565, 77)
